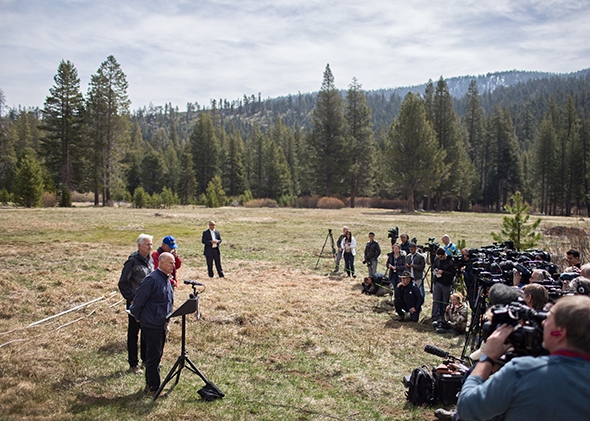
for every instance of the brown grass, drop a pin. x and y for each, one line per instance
(281, 338)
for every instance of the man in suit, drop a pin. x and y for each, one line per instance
(212, 239)
(416, 263)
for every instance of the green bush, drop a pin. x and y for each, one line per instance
(169, 198)
(5, 197)
(65, 197)
(215, 193)
(261, 203)
(140, 198)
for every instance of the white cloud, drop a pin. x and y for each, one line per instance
(179, 51)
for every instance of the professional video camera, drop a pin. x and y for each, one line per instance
(393, 233)
(527, 337)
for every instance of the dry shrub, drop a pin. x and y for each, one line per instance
(389, 203)
(49, 200)
(566, 238)
(307, 202)
(261, 203)
(361, 202)
(330, 203)
(82, 197)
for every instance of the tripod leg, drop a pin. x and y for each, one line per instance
(322, 250)
(195, 370)
(178, 364)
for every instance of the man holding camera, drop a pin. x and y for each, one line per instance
(372, 252)
(553, 387)
(340, 253)
(443, 270)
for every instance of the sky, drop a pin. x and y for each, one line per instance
(179, 51)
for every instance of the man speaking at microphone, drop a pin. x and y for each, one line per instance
(552, 387)
(152, 303)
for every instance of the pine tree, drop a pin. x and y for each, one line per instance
(29, 185)
(505, 177)
(152, 172)
(234, 171)
(215, 194)
(516, 228)
(187, 183)
(63, 122)
(328, 147)
(415, 162)
(278, 182)
(456, 183)
(108, 119)
(205, 151)
(361, 147)
(474, 126)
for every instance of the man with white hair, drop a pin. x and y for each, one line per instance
(138, 266)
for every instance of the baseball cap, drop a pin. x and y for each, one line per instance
(170, 242)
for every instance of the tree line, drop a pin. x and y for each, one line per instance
(429, 150)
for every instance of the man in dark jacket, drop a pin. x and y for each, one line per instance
(152, 304)
(372, 252)
(212, 239)
(137, 267)
(408, 298)
(444, 274)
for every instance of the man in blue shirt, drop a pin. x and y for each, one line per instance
(151, 305)
(449, 246)
(553, 387)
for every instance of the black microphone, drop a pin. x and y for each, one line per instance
(189, 282)
(434, 350)
(503, 294)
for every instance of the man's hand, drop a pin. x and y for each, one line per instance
(412, 310)
(495, 346)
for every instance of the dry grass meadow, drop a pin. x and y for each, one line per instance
(282, 339)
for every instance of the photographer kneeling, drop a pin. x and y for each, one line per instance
(553, 387)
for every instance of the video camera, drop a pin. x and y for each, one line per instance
(393, 233)
(527, 337)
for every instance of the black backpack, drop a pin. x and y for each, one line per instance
(421, 386)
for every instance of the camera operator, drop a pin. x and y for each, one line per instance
(466, 268)
(553, 387)
(444, 274)
(396, 263)
(372, 252)
(405, 243)
(449, 246)
(535, 296)
(573, 260)
(415, 263)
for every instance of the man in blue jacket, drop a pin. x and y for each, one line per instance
(152, 303)
(546, 388)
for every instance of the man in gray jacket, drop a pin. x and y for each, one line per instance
(138, 266)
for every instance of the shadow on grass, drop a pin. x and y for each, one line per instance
(138, 403)
(113, 348)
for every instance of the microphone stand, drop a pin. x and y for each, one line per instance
(209, 391)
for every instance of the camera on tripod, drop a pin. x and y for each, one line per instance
(393, 233)
(527, 337)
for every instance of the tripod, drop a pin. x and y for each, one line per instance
(324, 246)
(209, 391)
(473, 337)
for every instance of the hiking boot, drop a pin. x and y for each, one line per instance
(135, 370)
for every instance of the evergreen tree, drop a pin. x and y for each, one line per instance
(573, 167)
(187, 183)
(361, 147)
(107, 112)
(29, 185)
(516, 228)
(505, 177)
(328, 147)
(258, 150)
(152, 172)
(205, 151)
(278, 181)
(63, 122)
(456, 183)
(545, 152)
(415, 162)
(234, 180)
(215, 194)
(474, 126)
(8, 157)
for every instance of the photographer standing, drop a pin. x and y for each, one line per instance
(553, 387)
(444, 274)
(372, 252)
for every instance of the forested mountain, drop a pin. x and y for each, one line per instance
(459, 143)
